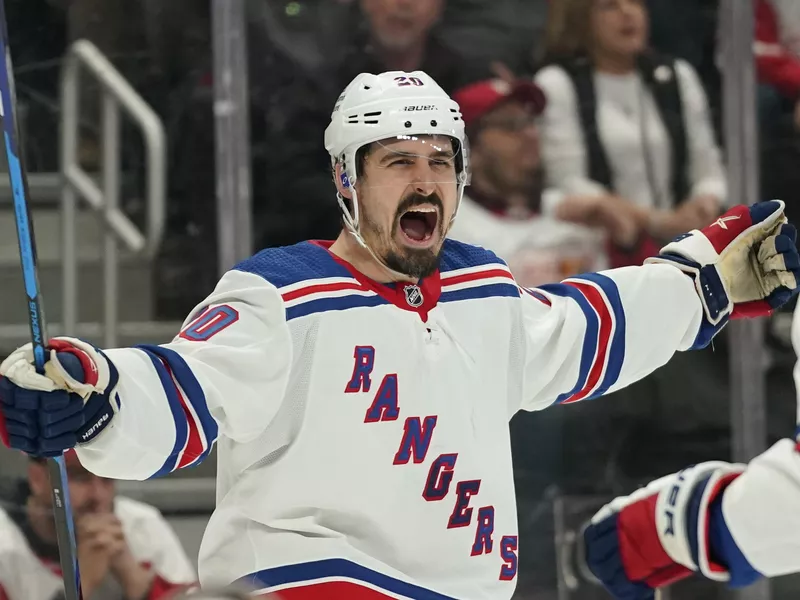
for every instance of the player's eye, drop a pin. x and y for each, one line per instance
(400, 162)
(441, 163)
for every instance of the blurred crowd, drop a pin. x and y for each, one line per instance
(594, 130)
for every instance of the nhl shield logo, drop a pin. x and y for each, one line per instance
(413, 295)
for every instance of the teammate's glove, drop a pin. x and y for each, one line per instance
(659, 534)
(745, 264)
(70, 404)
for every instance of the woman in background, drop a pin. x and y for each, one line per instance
(626, 126)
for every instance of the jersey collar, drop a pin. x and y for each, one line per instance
(420, 298)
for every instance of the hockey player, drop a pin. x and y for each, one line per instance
(360, 391)
(731, 523)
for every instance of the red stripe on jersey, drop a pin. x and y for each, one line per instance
(321, 287)
(3, 594)
(475, 276)
(604, 315)
(194, 444)
(331, 590)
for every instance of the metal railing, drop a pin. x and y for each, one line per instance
(116, 94)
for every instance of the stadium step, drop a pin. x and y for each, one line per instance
(135, 309)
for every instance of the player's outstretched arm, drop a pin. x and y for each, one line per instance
(729, 523)
(135, 413)
(595, 333)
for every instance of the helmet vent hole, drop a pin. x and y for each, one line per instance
(408, 124)
(434, 123)
(373, 114)
(367, 87)
(371, 122)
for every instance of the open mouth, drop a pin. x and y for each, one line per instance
(419, 224)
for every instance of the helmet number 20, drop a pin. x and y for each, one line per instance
(405, 81)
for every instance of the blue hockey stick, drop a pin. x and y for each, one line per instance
(27, 252)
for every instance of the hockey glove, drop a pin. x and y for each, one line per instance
(659, 534)
(71, 403)
(745, 264)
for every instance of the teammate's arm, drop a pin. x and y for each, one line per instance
(729, 523)
(149, 409)
(596, 333)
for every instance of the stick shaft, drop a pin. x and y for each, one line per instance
(27, 252)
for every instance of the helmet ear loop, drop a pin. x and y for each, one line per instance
(463, 182)
(351, 218)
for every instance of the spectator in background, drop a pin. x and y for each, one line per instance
(400, 38)
(126, 550)
(777, 53)
(501, 208)
(777, 48)
(626, 126)
(377, 36)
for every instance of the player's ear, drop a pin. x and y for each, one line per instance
(342, 182)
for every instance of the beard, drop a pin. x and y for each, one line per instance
(414, 262)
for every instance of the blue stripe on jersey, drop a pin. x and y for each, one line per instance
(178, 416)
(590, 337)
(194, 395)
(458, 255)
(293, 264)
(616, 351)
(337, 567)
(329, 304)
(484, 291)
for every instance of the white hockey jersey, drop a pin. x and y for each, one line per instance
(24, 576)
(362, 428)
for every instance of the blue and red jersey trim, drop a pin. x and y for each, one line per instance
(321, 282)
(603, 350)
(195, 429)
(334, 579)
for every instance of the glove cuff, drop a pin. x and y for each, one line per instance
(684, 537)
(713, 487)
(717, 306)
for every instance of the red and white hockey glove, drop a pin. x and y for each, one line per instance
(745, 264)
(659, 534)
(71, 403)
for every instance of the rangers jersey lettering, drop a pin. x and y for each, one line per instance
(362, 428)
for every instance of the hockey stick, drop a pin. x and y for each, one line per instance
(27, 251)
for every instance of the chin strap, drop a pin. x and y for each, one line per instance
(351, 224)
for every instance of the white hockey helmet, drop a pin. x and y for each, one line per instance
(391, 105)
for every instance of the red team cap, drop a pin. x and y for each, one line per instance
(479, 98)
